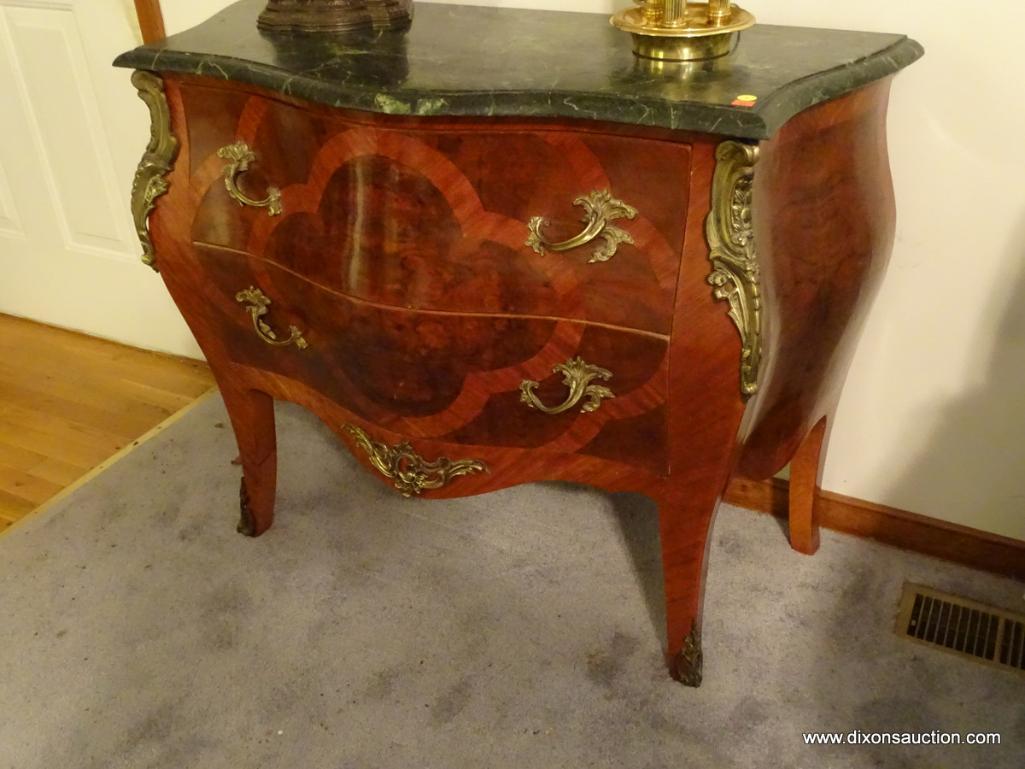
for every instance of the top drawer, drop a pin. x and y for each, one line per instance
(461, 217)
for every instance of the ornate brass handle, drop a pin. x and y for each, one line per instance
(600, 208)
(239, 156)
(411, 473)
(256, 304)
(578, 376)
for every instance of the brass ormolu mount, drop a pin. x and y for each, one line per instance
(679, 30)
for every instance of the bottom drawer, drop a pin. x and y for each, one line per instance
(485, 380)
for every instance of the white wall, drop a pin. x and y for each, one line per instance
(182, 14)
(933, 417)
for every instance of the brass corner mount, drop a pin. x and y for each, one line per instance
(679, 30)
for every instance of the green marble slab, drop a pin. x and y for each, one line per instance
(459, 60)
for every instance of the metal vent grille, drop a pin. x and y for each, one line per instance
(963, 627)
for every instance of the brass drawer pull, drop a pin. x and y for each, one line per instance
(412, 474)
(600, 208)
(256, 304)
(239, 156)
(578, 376)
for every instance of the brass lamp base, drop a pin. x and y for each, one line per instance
(335, 15)
(691, 39)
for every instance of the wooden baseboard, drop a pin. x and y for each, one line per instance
(899, 528)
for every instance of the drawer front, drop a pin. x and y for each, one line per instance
(548, 384)
(546, 223)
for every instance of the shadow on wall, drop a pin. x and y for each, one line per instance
(974, 461)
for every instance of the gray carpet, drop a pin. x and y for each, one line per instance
(520, 629)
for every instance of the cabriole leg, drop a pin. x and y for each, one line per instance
(805, 484)
(252, 417)
(685, 521)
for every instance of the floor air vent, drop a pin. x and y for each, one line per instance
(963, 627)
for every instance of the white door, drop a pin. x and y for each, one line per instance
(71, 133)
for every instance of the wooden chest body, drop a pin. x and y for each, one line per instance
(402, 277)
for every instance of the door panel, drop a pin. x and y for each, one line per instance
(61, 109)
(73, 133)
(10, 223)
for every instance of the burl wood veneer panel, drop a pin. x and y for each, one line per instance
(438, 219)
(440, 375)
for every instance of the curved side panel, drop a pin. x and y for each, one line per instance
(824, 220)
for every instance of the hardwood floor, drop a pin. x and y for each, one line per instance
(68, 402)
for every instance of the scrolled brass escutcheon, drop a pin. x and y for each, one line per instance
(239, 156)
(600, 208)
(578, 376)
(257, 305)
(411, 473)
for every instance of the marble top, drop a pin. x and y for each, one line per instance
(459, 60)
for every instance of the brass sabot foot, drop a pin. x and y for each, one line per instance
(686, 668)
(246, 524)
